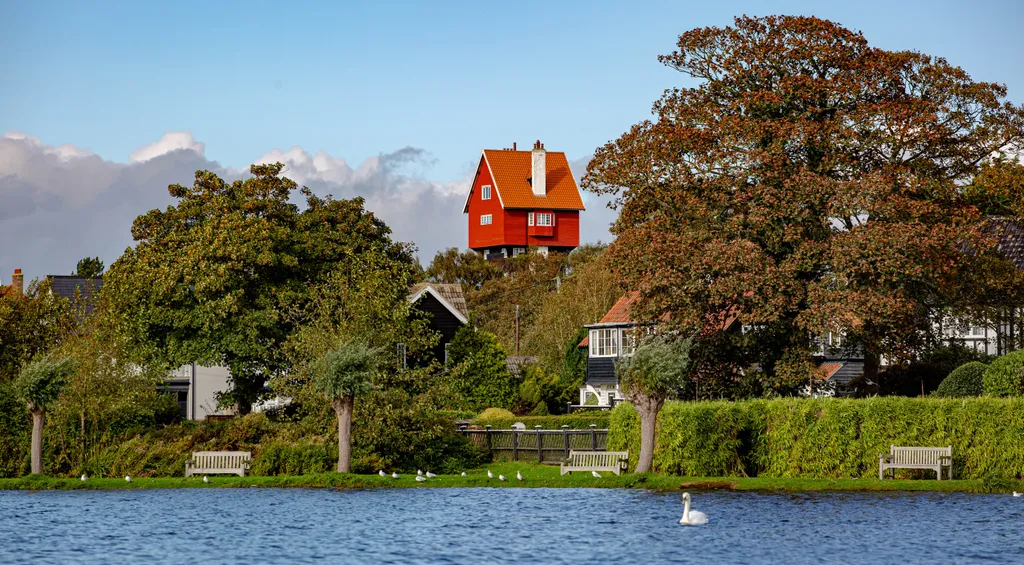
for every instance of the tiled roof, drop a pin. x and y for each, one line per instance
(1011, 239)
(829, 369)
(451, 293)
(516, 364)
(621, 313)
(65, 286)
(510, 169)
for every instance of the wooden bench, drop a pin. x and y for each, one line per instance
(935, 458)
(213, 462)
(611, 461)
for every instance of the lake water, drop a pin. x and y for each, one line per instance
(485, 526)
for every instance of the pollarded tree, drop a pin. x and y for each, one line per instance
(40, 384)
(658, 370)
(342, 374)
(809, 181)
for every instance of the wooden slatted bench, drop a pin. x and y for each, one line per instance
(935, 458)
(611, 461)
(215, 462)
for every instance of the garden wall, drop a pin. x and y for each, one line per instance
(827, 437)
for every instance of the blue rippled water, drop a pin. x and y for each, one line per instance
(491, 526)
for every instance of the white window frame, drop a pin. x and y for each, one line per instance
(485, 192)
(604, 342)
(545, 219)
(486, 219)
(628, 341)
(517, 251)
(529, 219)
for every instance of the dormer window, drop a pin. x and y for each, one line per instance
(485, 192)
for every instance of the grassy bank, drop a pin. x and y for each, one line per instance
(536, 476)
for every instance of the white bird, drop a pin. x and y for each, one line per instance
(420, 479)
(1015, 493)
(382, 473)
(694, 518)
(419, 473)
(206, 479)
(501, 478)
(463, 473)
(394, 475)
(127, 478)
(83, 478)
(430, 475)
(596, 474)
(519, 476)
(490, 475)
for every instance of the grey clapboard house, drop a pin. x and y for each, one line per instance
(445, 308)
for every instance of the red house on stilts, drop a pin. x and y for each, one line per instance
(522, 199)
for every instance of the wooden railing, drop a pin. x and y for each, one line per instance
(538, 444)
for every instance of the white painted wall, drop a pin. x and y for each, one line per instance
(209, 381)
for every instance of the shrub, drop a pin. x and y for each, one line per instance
(1005, 376)
(496, 414)
(14, 434)
(303, 458)
(965, 380)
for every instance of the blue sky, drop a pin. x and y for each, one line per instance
(363, 80)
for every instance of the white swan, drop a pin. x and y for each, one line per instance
(127, 478)
(382, 473)
(420, 479)
(463, 473)
(394, 475)
(490, 475)
(519, 476)
(83, 478)
(694, 518)
(596, 474)
(430, 475)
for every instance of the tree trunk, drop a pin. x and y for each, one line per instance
(38, 419)
(871, 363)
(647, 407)
(343, 408)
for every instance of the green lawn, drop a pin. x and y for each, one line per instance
(535, 476)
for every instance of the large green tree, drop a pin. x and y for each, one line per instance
(225, 275)
(808, 182)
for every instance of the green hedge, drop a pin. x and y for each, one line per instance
(579, 421)
(965, 380)
(1005, 376)
(827, 438)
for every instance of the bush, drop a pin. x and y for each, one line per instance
(303, 458)
(965, 380)
(496, 414)
(578, 421)
(15, 431)
(828, 437)
(1005, 376)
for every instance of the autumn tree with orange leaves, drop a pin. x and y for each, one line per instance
(810, 181)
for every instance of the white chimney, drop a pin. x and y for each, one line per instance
(540, 163)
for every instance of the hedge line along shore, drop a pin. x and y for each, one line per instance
(536, 476)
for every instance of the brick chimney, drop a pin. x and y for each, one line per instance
(539, 178)
(18, 283)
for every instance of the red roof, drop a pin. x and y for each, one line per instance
(510, 171)
(829, 369)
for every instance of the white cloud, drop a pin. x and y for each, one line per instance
(171, 141)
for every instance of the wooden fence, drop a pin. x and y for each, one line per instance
(544, 446)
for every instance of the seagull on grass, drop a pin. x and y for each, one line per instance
(490, 475)
(501, 478)
(420, 479)
(83, 477)
(519, 476)
(206, 479)
(127, 478)
(394, 475)
(596, 474)
(419, 473)
(382, 473)
(463, 473)
(430, 475)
